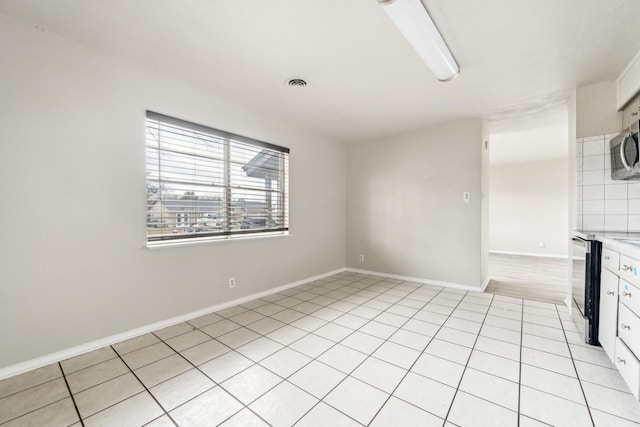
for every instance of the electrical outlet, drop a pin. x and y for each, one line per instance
(361, 258)
(466, 196)
(232, 282)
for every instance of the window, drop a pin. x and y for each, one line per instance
(206, 183)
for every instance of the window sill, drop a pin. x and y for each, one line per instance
(209, 240)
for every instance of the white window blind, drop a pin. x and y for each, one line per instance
(206, 183)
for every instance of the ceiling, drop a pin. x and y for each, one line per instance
(519, 59)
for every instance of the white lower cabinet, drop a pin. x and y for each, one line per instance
(629, 328)
(619, 327)
(630, 296)
(610, 259)
(630, 269)
(628, 366)
(608, 312)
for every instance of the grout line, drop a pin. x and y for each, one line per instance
(348, 375)
(573, 363)
(33, 386)
(381, 291)
(547, 392)
(216, 384)
(426, 346)
(41, 407)
(454, 308)
(143, 385)
(88, 366)
(73, 399)
(102, 382)
(468, 359)
(536, 420)
(253, 363)
(520, 362)
(156, 419)
(605, 386)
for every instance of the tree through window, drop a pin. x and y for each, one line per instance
(207, 183)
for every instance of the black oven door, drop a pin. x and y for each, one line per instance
(586, 284)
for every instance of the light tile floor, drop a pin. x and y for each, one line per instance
(348, 350)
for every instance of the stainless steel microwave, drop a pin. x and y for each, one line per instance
(625, 161)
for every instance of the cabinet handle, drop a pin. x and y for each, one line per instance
(610, 293)
(620, 360)
(607, 257)
(626, 294)
(623, 326)
(626, 267)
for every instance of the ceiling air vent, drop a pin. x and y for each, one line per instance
(297, 83)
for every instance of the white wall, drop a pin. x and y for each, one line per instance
(72, 178)
(485, 204)
(571, 160)
(405, 210)
(596, 109)
(572, 202)
(528, 205)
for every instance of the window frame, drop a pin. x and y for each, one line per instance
(226, 216)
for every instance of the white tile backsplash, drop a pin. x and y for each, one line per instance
(593, 222)
(634, 222)
(593, 192)
(593, 148)
(603, 203)
(615, 207)
(634, 190)
(615, 222)
(593, 177)
(593, 207)
(634, 207)
(615, 191)
(593, 163)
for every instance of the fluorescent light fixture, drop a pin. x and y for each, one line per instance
(413, 21)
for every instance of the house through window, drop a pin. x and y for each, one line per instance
(205, 183)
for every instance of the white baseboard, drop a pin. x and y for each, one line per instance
(486, 283)
(58, 356)
(418, 280)
(568, 301)
(529, 254)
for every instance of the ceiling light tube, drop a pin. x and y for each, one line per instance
(413, 21)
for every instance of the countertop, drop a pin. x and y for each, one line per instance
(627, 243)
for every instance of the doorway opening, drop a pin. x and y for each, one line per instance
(528, 213)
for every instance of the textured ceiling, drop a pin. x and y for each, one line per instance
(519, 59)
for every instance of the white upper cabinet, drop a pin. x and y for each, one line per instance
(629, 82)
(631, 113)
